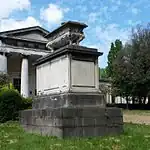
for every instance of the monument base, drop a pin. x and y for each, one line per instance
(68, 99)
(73, 121)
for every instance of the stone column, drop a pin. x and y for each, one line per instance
(24, 77)
(3, 62)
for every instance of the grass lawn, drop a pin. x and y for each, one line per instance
(135, 137)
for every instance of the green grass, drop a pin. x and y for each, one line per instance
(135, 137)
(137, 112)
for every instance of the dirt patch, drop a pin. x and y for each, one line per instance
(140, 119)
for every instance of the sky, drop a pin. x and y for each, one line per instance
(107, 20)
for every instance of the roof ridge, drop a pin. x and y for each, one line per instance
(26, 28)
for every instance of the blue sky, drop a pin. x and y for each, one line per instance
(107, 20)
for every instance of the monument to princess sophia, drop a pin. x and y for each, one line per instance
(69, 102)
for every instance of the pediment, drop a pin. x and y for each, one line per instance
(32, 33)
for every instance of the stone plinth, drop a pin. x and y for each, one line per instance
(73, 121)
(68, 100)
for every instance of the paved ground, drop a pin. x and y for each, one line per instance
(137, 116)
(140, 119)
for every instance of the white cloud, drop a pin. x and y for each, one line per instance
(135, 11)
(107, 34)
(101, 16)
(53, 14)
(110, 32)
(10, 24)
(8, 6)
(114, 8)
(92, 17)
(133, 23)
(117, 2)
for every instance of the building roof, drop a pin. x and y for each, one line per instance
(23, 30)
(32, 34)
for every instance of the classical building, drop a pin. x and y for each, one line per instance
(20, 48)
(18, 51)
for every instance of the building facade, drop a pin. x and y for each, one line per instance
(19, 49)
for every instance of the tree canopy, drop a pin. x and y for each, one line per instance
(112, 55)
(103, 73)
(131, 66)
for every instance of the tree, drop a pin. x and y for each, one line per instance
(103, 73)
(121, 82)
(132, 66)
(140, 59)
(112, 55)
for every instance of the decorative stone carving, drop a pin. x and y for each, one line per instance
(70, 33)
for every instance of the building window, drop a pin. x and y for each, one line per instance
(17, 83)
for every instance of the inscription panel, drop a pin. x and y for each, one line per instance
(82, 73)
(53, 76)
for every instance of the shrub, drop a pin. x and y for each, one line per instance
(26, 103)
(10, 104)
(4, 79)
(7, 87)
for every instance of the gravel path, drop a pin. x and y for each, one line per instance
(140, 119)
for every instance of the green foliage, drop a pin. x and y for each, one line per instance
(112, 55)
(122, 69)
(26, 103)
(4, 80)
(10, 104)
(7, 87)
(132, 66)
(140, 59)
(103, 73)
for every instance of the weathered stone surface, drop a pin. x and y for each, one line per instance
(113, 112)
(93, 111)
(88, 122)
(73, 121)
(74, 99)
(73, 132)
(89, 131)
(101, 131)
(101, 121)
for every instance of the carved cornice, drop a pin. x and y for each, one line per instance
(75, 51)
(21, 50)
(70, 33)
(24, 56)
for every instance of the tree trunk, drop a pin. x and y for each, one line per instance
(144, 101)
(133, 100)
(140, 100)
(113, 99)
(127, 101)
(148, 100)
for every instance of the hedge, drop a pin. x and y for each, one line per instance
(11, 102)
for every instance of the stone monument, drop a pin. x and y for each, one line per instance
(69, 102)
